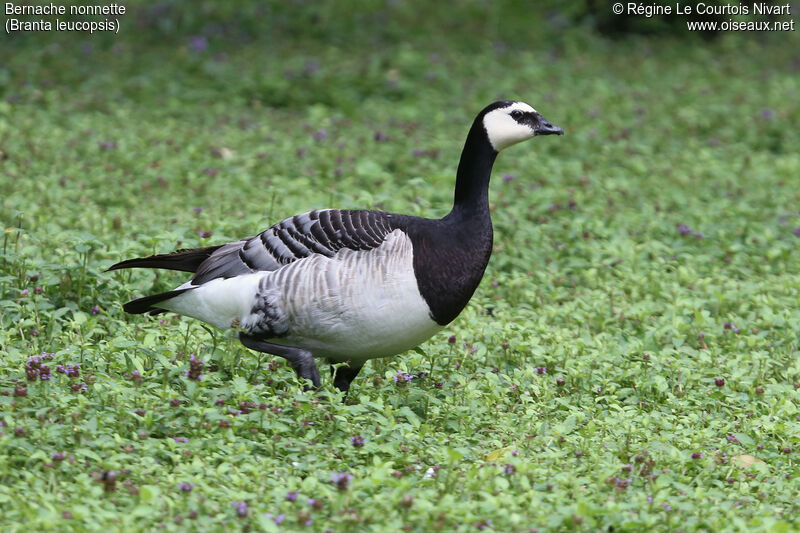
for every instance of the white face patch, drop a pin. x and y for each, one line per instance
(503, 130)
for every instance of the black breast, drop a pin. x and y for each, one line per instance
(450, 257)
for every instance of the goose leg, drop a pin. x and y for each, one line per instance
(301, 360)
(344, 375)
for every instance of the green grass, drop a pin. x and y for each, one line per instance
(647, 260)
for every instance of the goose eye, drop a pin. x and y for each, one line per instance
(516, 114)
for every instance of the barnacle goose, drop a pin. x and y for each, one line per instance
(350, 285)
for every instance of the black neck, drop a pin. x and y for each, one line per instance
(474, 170)
(451, 254)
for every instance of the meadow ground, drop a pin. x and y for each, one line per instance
(629, 361)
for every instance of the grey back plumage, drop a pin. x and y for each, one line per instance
(315, 232)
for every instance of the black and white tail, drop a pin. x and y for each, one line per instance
(149, 304)
(183, 260)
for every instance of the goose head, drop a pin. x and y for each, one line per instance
(509, 122)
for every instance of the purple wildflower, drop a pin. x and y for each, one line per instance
(198, 43)
(180, 439)
(509, 469)
(697, 455)
(732, 438)
(71, 371)
(540, 370)
(342, 480)
(32, 368)
(95, 310)
(683, 229)
(401, 378)
(197, 209)
(291, 496)
(186, 487)
(135, 376)
(78, 387)
(320, 134)
(277, 519)
(24, 293)
(508, 178)
(796, 232)
(196, 366)
(357, 441)
(730, 326)
(311, 66)
(619, 483)
(59, 456)
(241, 508)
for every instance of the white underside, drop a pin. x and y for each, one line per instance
(356, 305)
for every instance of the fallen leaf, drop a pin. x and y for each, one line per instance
(497, 454)
(746, 461)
